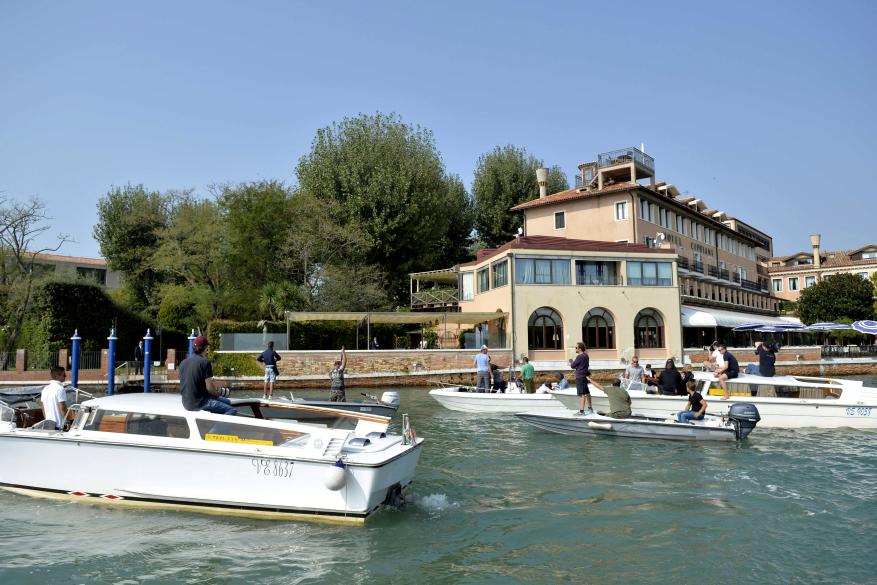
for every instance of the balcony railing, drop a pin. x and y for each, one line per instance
(435, 297)
(724, 274)
(712, 271)
(682, 263)
(625, 155)
(599, 280)
(750, 285)
(697, 267)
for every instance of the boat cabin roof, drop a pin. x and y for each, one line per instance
(139, 402)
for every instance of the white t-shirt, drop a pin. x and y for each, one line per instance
(52, 394)
(719, 357)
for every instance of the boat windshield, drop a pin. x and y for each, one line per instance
(241, 432)
(136, 423)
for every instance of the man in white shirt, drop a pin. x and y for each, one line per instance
(715, 360)
(54, 398)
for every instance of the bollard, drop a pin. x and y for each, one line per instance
(147, 360)
(111, 363)
(191, 344)
(74, 364)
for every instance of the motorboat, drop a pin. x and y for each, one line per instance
(469, 399)
(741, 420)
(782, 401)
(386, 406)
(25, 400)
(145, 449)
(309, 412)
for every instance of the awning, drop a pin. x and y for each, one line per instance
(705, 317)
(392, 317)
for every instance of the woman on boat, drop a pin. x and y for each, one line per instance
(696, 407)
(767, 359)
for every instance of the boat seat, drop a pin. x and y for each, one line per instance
(766, 392)
(811, 393)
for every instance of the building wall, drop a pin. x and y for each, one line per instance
(792, 295)
(592, 218)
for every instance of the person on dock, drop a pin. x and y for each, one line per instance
(696, 407)
(528, 375)
(581, 364)
(198, 388)
(730, 369)
(269, 359)
(374, 344)
(336, 388)
(138, 359)
(482, 370)
(54, 398)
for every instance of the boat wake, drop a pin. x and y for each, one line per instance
(434, 503)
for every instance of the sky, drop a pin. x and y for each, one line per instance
(764, 110)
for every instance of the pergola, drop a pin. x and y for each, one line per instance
(414, 318)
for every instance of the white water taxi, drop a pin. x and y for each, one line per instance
(146, 450)
(469, 399)
(783, 401)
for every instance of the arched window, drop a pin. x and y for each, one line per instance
(648, 329)
(598, 329)
(545, 329)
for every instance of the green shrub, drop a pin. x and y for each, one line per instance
(236, 364)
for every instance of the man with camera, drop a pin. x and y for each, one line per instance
(198, 387)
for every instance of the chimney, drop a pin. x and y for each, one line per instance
(542, 179)
(814, 242)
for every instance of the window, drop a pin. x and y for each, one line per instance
(483, 280)
(778, 285)
(793, 283)
(649, 241)
(680, 221)
(560, 220)
(98, 275)
(596, 273)
(545, 329)
(139, 423)
(809, 281)
(869, 255)
(598, 329)
(662, 217)
(649, 274)
(500, 273)
(648, 329)
(232, 432)
(621, 210)
(541, 271)
(467, 283)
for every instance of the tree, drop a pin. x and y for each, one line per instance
(390, 182)
(129, 221)
(276, 298)
(21, 223)
(844, 296)
(505, 177)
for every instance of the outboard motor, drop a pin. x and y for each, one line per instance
(390, 398)
(744, 416)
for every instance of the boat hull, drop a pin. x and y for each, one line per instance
(567, 423)
(179, 476)
(780, 413)
(453, 399)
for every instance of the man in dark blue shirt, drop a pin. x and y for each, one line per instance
(729, 371)
(581, 365)
(198, 388)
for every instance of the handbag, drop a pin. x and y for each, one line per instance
(276, 371)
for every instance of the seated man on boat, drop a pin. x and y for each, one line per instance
(696, 407)
(198, 388)
(730, 369)
(619, 401)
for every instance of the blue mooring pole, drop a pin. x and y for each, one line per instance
(74, 364)
(191, 343)
(111, 363)
(147, 360)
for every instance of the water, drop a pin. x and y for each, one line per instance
(498, 501)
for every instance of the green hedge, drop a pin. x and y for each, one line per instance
(236, 364)
(60, 307)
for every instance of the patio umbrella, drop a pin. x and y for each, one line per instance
(749, 326)
(866, 326)
(826, 326)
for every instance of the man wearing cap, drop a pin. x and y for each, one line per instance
(198, 387)
(482, 370)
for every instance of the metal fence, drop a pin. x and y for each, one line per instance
(7, 360)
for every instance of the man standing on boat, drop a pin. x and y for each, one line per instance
(54, 398)
(482, 370)
(582, 364)
(528, 375)
(198, 388)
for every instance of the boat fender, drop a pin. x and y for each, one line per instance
(335, 477)
(600, 426)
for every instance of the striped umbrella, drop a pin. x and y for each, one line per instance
(749, 326)
(826, 326)
(866, 326)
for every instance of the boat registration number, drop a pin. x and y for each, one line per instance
(272, 468)
(859, 411)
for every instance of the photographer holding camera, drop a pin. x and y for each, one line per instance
(199, 389)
